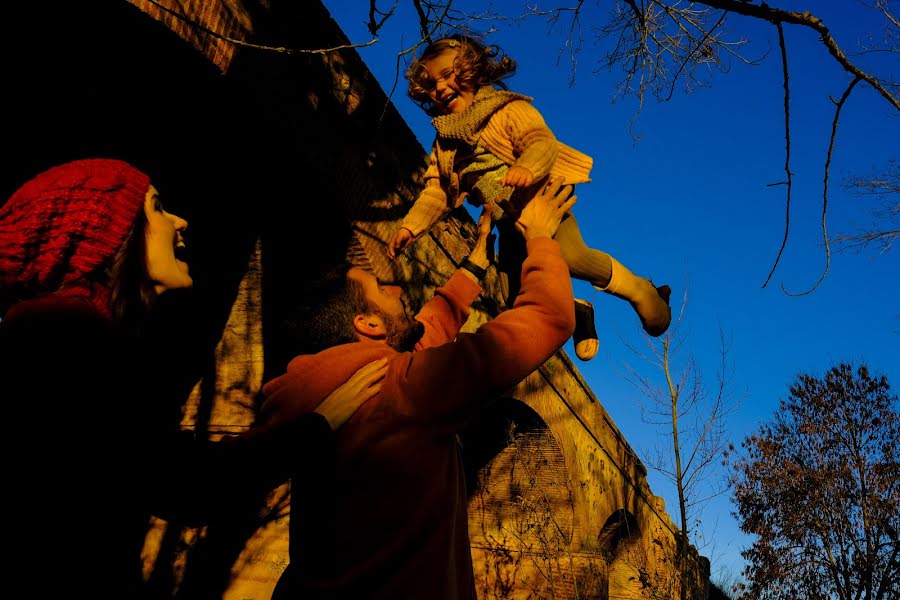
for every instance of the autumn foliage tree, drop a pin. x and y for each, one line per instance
(819, 487)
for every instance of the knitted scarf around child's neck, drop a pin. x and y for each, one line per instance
(466, 126)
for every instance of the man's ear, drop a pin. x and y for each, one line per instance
(370, 326)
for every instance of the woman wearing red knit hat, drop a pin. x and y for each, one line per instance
(86, 248)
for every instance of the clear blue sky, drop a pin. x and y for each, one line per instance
(689, 205)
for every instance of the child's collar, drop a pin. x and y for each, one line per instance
(466, 126)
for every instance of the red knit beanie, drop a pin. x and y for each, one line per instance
(66, 224)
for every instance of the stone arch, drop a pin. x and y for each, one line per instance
(490, 433)
(633, 560)
(619, 528)
(522, 518)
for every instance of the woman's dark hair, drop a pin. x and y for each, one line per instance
(476, 65)
(132, 293)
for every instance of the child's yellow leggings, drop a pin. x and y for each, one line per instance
(584, 263)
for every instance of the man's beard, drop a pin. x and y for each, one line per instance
(403, 331)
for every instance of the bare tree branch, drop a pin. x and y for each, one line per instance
(692, 54)
(787, 151)
(375, 24)
(882, 5)
(243, 44)
(423, 19)
(805, 19)
(837, 115)
(661, 43)
(885, 228)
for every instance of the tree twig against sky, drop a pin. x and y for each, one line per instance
(839, 104)
(819, 487)
(253, 46)
(885, 227)
(690, 413)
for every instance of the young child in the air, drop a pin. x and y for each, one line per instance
(492, 146)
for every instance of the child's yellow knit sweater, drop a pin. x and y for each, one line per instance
(499, 127)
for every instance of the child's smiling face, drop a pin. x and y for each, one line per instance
(449, 96)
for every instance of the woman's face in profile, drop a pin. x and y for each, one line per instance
(164, 244)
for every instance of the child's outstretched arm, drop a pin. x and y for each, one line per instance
(427, 210)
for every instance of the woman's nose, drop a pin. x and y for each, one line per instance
(180, 224)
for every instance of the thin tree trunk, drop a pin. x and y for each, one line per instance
(679, 477)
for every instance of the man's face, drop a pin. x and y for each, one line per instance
(403, 331)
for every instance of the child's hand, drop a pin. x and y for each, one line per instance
(518, 177)
(402, 239)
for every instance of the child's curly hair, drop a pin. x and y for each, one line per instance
(476, 65)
